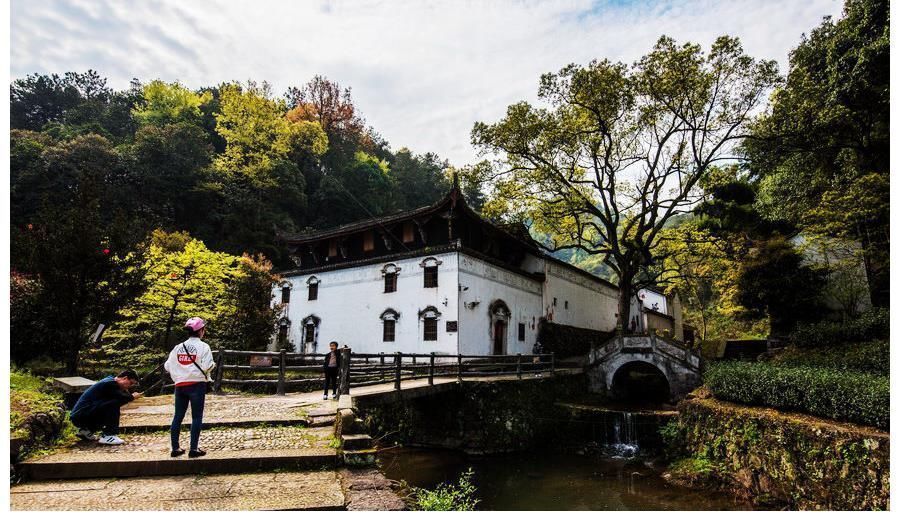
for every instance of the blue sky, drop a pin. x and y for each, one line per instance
(421, 72)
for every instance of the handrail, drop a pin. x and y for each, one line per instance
(359, 369)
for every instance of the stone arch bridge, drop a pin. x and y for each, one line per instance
(643, 367)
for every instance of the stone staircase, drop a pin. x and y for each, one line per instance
(253, 447)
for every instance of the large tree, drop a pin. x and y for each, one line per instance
(827, 136)
(621, 149)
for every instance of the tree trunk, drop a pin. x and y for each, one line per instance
(625, 289)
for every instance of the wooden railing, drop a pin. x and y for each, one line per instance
(359, 370)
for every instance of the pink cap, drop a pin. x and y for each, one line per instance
(194, 323)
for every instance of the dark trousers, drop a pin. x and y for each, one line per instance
(102, 416)
(195, 395)
(331, 376)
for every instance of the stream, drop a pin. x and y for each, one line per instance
(615, 475)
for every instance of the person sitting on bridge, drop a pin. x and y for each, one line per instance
(332, 366)
(98, 407)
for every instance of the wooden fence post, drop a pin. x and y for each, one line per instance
(397, 362)
(344, 387)
(459, 367)
(431, 370)
(281, 357)
(519, 365)
(217, 383)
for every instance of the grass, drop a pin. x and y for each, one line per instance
(31, 395)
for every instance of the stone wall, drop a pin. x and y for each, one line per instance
(792, 460)
(476, 417)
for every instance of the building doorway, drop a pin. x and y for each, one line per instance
(499, 314)
(499, 336)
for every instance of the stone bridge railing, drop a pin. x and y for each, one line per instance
(666, 348)
(676, 361)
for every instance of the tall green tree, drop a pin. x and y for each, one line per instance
(621, 149)
(829, 128)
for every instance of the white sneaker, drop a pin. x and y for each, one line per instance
(324, 397)
(111, 440)
(87, 435)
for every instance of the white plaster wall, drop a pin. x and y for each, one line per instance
(350, 302)
(650, 298)
(484, 283)
(592, 304)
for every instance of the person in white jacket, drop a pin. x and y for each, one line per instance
(190, 364)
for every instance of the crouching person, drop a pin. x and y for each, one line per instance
(98, 408)
(190, 364)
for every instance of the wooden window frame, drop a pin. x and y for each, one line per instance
(430, 329)
(285, 294)
(430, 277)
(390, 282)
(521, 331)
(389, 331)
(313, 291)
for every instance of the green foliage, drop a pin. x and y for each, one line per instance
(185, 279)
(774, 281)
(167, 103)
(874, 324)
(826, 137)
(591, 168)
(837, 394)
(870, 357)
(29, 396)
(447, 496)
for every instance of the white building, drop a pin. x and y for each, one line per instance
(435, 279)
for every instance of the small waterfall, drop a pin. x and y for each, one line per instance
(623, 441)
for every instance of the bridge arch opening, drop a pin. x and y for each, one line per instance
(640, 382)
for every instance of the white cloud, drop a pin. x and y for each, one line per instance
(421, 72)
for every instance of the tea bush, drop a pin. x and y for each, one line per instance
(837, 394)
(874, 324)
(871, 357)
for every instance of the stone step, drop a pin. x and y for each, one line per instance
(360, 458)
(260, 491)
(230, 450)
(356, 442)
(321, 421)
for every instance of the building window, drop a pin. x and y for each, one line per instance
(285, 294)
(310, 330)
(521, 331)
(368, 241)
(389, 324)
(566, 304)
(283, 326)
(332, 248)
(430, 329)
(390, 282)
(313, 284)
(408, 235)
(431, 277)
(429, 317)
(452, 326)
(430, 267)
(390, 328)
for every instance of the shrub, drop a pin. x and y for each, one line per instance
(871, 357)
(837, 394)
(448, 497)
(874, 324)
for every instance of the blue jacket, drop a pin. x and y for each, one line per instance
(103, 391)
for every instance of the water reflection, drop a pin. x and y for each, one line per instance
(553, 481)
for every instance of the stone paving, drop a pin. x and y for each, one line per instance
(226, 492)
(157, 411)
(219, 442)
